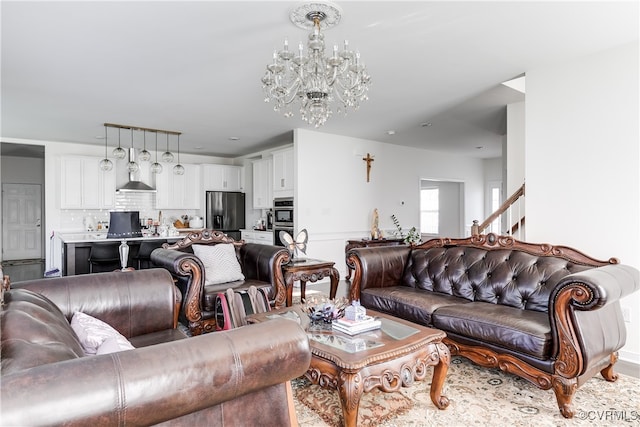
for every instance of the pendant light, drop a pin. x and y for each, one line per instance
(119, 153)
(105, 164)
(144, 155)
(155, 166)
(178, 169)
(167, 156)
(132, 166)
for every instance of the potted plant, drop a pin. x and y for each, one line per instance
(412, 237)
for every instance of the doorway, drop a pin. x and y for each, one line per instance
(21, 221)
(441, 209)
(22, 207)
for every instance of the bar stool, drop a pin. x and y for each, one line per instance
(104, 257)
(144, 253)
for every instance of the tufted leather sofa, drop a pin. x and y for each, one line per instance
(239, 377)
(548, 314)
(261, 265)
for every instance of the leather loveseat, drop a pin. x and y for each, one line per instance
(238, 377)
(548, 314)
(261, 266)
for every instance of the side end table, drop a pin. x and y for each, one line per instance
(309, 270)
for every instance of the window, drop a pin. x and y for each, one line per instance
(429, 210)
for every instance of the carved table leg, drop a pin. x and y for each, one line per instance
(288, 283)
(350, 388)
(335, 278)
(303, 290)
(439, 375)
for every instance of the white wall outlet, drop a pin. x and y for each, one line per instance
(626, 314)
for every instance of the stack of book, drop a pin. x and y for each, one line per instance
(352, 327)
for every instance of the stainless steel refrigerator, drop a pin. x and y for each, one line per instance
(225, 212)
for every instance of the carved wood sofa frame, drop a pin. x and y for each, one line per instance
(585, 293)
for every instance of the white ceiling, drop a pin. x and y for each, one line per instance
(195, 67)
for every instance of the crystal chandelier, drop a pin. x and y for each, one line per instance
(315, 80)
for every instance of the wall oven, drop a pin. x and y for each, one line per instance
(282, 218)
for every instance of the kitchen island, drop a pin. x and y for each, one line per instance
(77, 246)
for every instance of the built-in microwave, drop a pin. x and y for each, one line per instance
(283, 211)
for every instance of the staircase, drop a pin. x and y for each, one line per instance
(511, 217)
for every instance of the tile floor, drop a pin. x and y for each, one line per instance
(24, 269)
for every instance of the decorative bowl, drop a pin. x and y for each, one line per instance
(325, 310)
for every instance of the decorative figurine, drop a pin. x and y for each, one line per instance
(375, 231)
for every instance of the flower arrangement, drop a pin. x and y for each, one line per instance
(413, 236)
(325, 310)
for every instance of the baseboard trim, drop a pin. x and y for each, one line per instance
(625, 367)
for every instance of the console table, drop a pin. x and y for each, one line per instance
(363, 243)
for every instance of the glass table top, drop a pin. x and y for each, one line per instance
(323, 333)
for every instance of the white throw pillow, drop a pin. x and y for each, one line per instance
(220, 263)
(93, 333)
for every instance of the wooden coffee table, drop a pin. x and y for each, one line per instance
(389, 358)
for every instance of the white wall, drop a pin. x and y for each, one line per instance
(582, 162)
(335, 202)
(514, 155)
(493, 174)
(22, 170)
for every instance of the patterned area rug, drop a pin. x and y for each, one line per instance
(479, 397)
(375, 407)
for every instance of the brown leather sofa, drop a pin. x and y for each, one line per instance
(238, 377)
(261, 265)
(548, 314)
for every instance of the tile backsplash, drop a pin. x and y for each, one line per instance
(76, 219)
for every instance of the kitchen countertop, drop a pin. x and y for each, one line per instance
(88, 236)
(257, 231)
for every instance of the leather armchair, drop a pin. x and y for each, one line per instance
(260, 264)
(236, 377)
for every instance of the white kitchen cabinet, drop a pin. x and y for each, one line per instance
(222, 177)
(247, 236)
(83, 185)
(283, 173)
(259, 237)
(263, 184)
(178, 191)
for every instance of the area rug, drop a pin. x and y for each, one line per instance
(375, 407)
(479, 397)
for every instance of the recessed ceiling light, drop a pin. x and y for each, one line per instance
(233, 138)
(391, 132)
(426, 124)
(100, 137)
(199, 147)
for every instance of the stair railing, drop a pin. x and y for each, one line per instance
(512, 211)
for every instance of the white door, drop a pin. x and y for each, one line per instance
(21, 221)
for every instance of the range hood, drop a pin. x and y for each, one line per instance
(134, 185)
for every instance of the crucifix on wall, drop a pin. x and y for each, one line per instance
(369, 159)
